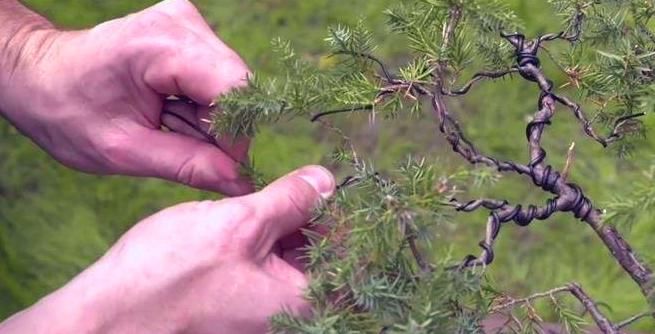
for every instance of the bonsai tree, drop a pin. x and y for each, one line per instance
(371, 249)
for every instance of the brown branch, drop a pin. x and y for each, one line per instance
(569, 197)
(591, 307)
(516, 302)
(406, 218)
(599, 318)
(455, 136)
(627, 322)
(454, 16)
(478, 77)
(394, 87)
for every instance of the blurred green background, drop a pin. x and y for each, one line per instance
(54, 221)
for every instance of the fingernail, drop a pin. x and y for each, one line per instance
(319, 178)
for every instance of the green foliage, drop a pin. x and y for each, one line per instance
(571, 321)
(370, 272)
(268, 100)
(353, 41)
(625, 209)
(614, 64)
(490, 16)
(260, 104)
(364, 274)
(421, 22)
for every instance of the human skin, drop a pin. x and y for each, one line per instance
(93, 99)
(203, 267)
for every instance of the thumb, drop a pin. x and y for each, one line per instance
(180, 159)
(286, 205)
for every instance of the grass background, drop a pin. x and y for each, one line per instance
(54, 221)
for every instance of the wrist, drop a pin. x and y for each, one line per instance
(23, 47)
(75, 308)
(17, 25)
(97, 301)
(16, 42)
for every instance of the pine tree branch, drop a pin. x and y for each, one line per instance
(455, 136)
(384, 92)
(576, 26)
(405, 216)
(528, 65)
(517, 302)
(502, 212)
(569, 197)
(590, 306)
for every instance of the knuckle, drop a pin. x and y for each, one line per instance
(157, 31)
(187, 172)
(151, 19)
(113, 148)
(239, 210)
(237, 220)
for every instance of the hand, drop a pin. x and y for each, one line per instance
(93, 99)
(207, 267)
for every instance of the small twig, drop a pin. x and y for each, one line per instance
(386, 73)
(570, 158)
(339, 111)
(478, 77)
(627, 322)
(198, 129)
(576, 26)
(410, 235)
(617, 131)
(454, 16)
(515, 302)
